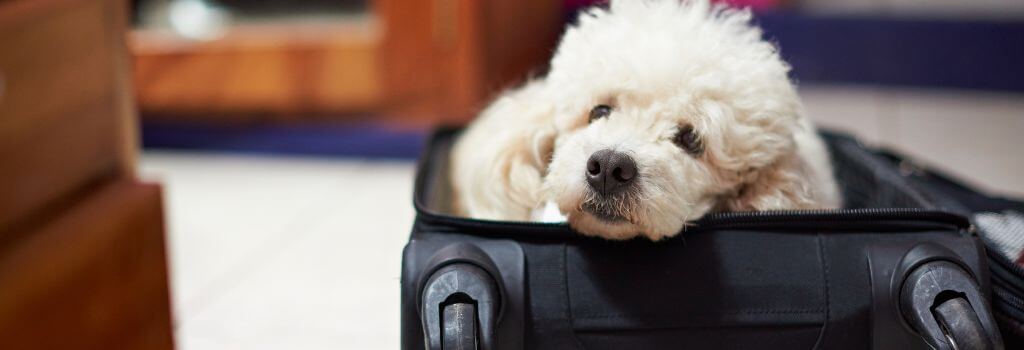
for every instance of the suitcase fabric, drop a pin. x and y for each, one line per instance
(849, 279)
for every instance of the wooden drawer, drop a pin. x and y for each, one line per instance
(64, 113)
(91, 277)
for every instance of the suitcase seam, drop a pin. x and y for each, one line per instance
(568, 302)
(735, 312)
(825, 273)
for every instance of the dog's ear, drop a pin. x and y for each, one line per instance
(498, 165)
(786, 184)
(755, 154)
(771, 159)
(739, 141)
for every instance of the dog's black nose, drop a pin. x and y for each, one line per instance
(609, 172)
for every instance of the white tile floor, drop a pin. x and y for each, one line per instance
(304, 253)
(284, 253)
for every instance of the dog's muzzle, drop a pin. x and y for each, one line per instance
(610, 172)
(611, 176)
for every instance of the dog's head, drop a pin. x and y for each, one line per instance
(663, 109)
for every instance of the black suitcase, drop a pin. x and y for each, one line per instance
(897, 269)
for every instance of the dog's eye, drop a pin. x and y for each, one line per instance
(600, 111)
(686, 138)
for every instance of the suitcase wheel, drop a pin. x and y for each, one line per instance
(945, 306)
(961, 325)
(459, 322)
(460, 307)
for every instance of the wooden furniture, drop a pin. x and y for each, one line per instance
(422, 61)
(82, 261)
(260, 71)
(442, 60)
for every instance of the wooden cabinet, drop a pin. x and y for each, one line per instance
(90, 276)
(82, 259)
(443, 60)
(259, 71)
(419, 61)
(64, 115)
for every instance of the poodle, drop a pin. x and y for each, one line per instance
(653, 113)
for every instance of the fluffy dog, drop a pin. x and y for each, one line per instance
(653, 113)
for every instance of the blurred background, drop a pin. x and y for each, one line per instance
(296, 244)
(284, 132)
(367, 78)
(287, 249)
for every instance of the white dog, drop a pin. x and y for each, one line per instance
(653, 113)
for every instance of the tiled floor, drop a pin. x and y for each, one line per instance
(304, 253)
(284, 253)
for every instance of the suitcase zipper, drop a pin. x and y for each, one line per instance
(833, 215)
(1007, 264)
(1010, 304)
(749, 219)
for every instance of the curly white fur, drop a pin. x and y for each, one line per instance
(661, 65)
